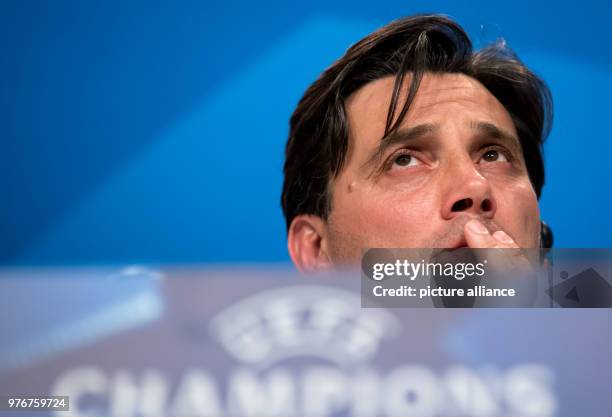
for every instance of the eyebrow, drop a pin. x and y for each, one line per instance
(494, 132)
(485, 129)
(400, 136)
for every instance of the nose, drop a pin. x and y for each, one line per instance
(467, 191)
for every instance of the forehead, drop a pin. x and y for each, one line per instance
(441, 98)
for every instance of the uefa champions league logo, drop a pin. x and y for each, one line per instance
(309, 321)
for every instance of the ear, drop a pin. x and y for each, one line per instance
(307, 243)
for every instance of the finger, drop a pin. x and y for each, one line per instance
(505, 239)
(520, 258)
(478, 236)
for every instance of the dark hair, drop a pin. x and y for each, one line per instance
(319, 131)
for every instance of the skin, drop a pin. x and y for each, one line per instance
(458, 183)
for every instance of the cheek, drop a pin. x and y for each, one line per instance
(387, 219)
(519, 214)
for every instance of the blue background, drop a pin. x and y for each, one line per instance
(154, 132)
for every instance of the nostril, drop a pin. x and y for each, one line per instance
(486, 205)
(463, 204)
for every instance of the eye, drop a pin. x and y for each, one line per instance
(493, 155)
(404, 160)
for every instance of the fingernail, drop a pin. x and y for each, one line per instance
(502, 237)
(476, 227)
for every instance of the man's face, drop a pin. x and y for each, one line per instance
(455, 157)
